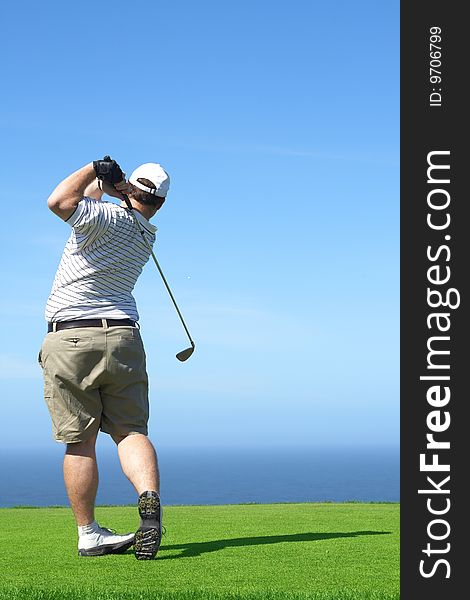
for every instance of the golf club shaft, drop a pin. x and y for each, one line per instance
(147, 243)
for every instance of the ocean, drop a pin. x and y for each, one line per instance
(215, 476)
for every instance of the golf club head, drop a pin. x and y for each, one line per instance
(185, 354)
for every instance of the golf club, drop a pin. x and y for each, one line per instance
(184, 354)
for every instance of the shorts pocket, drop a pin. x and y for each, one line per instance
(76, 342)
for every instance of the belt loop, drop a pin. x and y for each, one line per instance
(54, 326)
(104, 322)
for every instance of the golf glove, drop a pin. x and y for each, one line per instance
(108, 170)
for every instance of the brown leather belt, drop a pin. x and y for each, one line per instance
(90, 323)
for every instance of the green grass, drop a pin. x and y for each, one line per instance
(237, 552)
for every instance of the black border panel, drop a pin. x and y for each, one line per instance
(435, 236)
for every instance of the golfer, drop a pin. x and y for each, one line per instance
(92, 356)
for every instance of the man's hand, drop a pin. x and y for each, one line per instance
(117, 190)
(108, 170)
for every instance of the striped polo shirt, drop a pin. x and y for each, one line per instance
(101, 262)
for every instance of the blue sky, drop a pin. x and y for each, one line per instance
(279, 126)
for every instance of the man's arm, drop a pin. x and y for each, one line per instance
(95, 190)
(65, 198)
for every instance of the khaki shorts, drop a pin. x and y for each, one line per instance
(95, 378)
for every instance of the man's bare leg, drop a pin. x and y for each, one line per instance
(81, 479)
(81, 482)
(139, 462)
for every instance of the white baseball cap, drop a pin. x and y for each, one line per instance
(154, 173)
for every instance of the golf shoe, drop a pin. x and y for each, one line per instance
(104, 541)
(149, 534)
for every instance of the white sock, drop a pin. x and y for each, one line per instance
(87, 529)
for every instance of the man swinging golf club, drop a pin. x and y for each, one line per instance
(92, 357)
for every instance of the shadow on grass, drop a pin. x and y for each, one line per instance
(198, 548)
